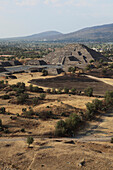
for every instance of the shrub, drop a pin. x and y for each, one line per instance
(66, 90)
(59, 91)
(93, 108)
(68, 127)
(30, 140)
(109, 98)
(48, 90)
(5, 97)
(72, 124)
(22, 98)
(2, 110)
(111, 140)
(53, 91)
(35, 100)
(0, 122)
(73, 90)
(42, 96)
(111, 65)
(91, 61)
(30, 87)
(97, 104)
(28, 113)
(45, 72)
(46, 115)
(104, 71)
(72, 69)
(88, 91)
(6, 131)
(90, 110)
(22, 130)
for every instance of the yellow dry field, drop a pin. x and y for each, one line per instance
(58, 100)
(26, 77)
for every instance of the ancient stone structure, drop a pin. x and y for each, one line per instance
(10, 63)
(73, 55)
(36, 62)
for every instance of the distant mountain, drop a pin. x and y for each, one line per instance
(103, 33)
(45, 36)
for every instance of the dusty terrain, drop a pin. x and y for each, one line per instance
(50, 153)
(79, 83)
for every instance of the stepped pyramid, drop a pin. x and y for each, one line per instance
(73, 55)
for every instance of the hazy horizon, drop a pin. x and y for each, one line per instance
(26, 17)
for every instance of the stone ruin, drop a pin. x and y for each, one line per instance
(73, 55)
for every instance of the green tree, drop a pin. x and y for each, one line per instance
(30, 140)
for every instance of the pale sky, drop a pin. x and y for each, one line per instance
(27, 17)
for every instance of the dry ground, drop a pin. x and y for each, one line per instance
(54, 154)
(71, 81)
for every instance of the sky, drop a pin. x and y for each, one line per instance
(27, 17)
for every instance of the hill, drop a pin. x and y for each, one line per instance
(103, 33)
(45, 36)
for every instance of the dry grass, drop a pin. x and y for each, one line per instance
(49, 154)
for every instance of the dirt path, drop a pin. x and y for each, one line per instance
(105, 80)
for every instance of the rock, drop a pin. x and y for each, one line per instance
(70, 142)
(81, 163)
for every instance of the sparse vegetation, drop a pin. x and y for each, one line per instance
(88, 91)
(30, 140)
(68, 127)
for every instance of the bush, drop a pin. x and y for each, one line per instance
(46, 115)
(60, 129)
(28, 113)
(35, 100)
(42, 96)
(30, 140)
(53, 91)
(97, 104)
(30, 87)
(111, 140)
(68, 127)
(90, 110)
(22, 98)
(2, 110)
(45, 72)
(88, 91)
(111, 65)
(72, 69)
(93, 108)
(59, 91)
(109, 98)
(0, 123)
(5, 97)
(73, 90)
(22, 130)
(66, 90)
(48, 91)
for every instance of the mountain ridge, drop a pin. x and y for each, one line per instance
(101, 33)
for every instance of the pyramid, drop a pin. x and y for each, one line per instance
(73, 55)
